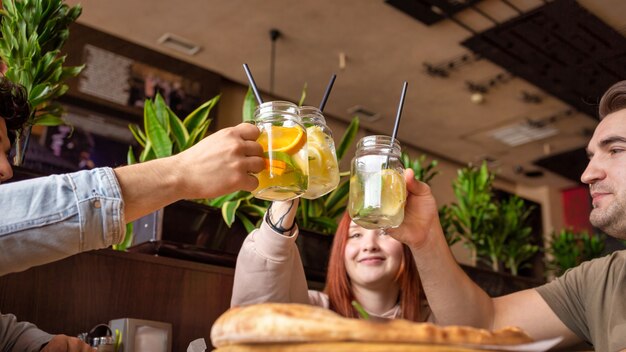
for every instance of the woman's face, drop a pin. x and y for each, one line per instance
(372, 258)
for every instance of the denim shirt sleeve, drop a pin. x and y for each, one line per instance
(50, 218)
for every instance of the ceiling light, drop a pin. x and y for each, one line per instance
(177, 43)
(522, 133)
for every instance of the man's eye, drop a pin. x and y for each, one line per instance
(615, 151)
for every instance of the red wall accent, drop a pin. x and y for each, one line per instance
(576, 208)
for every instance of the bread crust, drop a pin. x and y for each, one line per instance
(281, 323)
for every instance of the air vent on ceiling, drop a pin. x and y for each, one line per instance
(364, 113)
(522, 133)
(180, 44)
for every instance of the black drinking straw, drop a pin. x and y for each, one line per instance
(399, 114)
(252, 84)
(327, 92)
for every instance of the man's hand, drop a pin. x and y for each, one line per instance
(421, 218)
(221, 163)
(62, 343)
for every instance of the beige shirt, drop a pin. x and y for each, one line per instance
(269, 269)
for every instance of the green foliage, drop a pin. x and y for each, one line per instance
(511, 240)
(163, 135)
(32, 34)
(567, 249)
(472, 216)
(496, 232)
(423, 172)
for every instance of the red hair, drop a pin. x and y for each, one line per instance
(339, 289)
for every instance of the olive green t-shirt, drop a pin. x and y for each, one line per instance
(591, 301)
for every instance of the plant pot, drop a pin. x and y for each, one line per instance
(189, 230)
(498, 284)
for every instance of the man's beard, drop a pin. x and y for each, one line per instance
(611, 219)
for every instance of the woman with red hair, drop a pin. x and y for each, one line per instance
(366, 266)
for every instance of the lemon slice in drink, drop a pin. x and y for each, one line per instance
(319, 150)
(394, 194)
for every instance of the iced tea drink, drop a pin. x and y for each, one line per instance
(284, 142)
(377, 187)
(323, 168)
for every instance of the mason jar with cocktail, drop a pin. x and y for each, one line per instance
(377, 187)
(323, 168)
(284, 141)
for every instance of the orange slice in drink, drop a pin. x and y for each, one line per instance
(283, 139)
(277, 167)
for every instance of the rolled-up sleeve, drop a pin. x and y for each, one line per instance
(51, 218)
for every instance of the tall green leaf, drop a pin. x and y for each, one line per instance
(348, 138)
(249, 106)
(200, 115)
(156, 133)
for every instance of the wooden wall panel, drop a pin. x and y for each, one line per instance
(75, 294)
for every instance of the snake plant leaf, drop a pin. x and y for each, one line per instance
(315, 208)
(247, 223)
(219, 201)
(138, 134)
(348, 138)
(303, 95)
(161, 112)
(147, 153)
(338, 199)
(48, 120)
(128, 239)
(249, 106)
(178, 130)
(303, 219)
(197, 117)
(228, 211)
(130, 156)
(253, 209)
(197, 134)
(156, 133)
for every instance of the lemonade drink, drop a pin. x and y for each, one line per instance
(323, 168)
(377, 187)
(284, 141)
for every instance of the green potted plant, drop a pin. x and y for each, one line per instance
(33, 32)
(471, 216)
(496, 232)
(165, 134)
(514, 233)
(568, 248)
